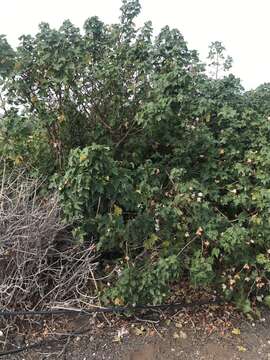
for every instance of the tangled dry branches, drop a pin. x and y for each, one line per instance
(39, 264)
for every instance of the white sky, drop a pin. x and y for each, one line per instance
(242, 25)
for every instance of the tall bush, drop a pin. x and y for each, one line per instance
(164, 168)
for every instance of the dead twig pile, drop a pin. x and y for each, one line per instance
(39, 264)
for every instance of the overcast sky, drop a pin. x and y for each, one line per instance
(242, 25)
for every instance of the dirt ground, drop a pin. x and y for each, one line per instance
(181, 336)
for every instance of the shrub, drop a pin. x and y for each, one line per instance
(163, 168)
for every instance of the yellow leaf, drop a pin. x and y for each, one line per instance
(241, 348)
(88, 59)
(18, 160)
(258, 220)
(139, 331)
(118, 302)
(208, 118)
(236, 331)
(221, 151)
(34, 99)
(83, 157)
(117, 211)
(61, 118)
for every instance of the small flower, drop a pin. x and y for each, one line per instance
(221, 151)
(224, 287)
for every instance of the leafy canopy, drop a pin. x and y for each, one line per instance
(165, 168)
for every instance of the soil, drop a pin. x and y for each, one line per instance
(204, 336)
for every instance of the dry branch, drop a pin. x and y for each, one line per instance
(40, 265)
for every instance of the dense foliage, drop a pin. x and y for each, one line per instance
(164, 168)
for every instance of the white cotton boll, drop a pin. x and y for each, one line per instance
(157, 227)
